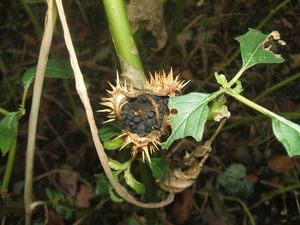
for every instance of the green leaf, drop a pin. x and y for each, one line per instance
(28, 77)
(133, 183)
(254, 51)
(8, 131)
(113, 144)
(113, 196)
(221, 79)
(59, 68)
(116, 165)
(56, 68)
(132, 221)
(159, 167)
(102, 185)
(188, 116)
(65, 211)
(288, 133)
(232, 180)
(109, 131)
(238, 88)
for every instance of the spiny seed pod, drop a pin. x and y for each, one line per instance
(143, 113)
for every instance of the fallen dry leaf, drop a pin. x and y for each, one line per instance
(148, 14)
(84, 195)
(181, 210)
(281, 163)
(68, 180)
(211, 218)
(54, 218)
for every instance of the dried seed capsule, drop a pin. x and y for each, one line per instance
(139, 109)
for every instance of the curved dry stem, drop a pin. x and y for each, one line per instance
(82, 92)
(33, 118)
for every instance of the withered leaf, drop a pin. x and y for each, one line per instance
(84, 195)
(148, 14)
(68, 180)
(281, 163)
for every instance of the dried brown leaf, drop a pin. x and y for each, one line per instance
(54, 218)
(68, 180)
(84, 195)
(181, 210)
(281, 163)
(148, 14)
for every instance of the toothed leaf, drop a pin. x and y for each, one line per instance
(254, 51)
(188, 114)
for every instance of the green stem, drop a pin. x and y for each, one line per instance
(260, 109)
(4, 111)
(251, 104)
(237, 51)
(36, 25)
(72, 101)
(124, 42)
(277, 86)
(24, 98)
(237, 76)
(273, 194)
(9, 166)
(271, 14)
(150, 195)
(252, 221)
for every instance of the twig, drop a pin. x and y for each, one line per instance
(82, 92)
(247, 211)
(33, 118)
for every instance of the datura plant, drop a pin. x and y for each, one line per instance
(144, 113)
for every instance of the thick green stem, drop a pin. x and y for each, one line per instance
(9, 166)
(131, 65)
(33, 118)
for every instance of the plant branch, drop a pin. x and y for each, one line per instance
(132, 69)
(277, 86)
(33, 118)
(82, 92)
(9, 166)
(4, 111)
(247, 211)
(259, 108)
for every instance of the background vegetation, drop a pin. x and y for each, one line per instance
(199, 40)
